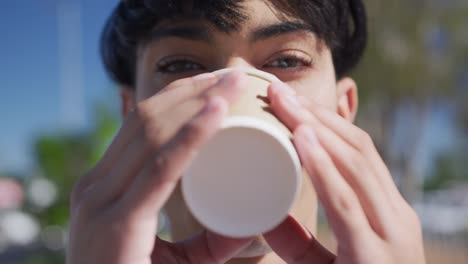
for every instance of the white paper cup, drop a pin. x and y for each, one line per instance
(245, 181)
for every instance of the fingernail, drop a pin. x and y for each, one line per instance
(273, 88)
(210, 106)
(232, 80)
(204, 76)
(214, 104)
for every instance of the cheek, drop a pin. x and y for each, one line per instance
(317, 90)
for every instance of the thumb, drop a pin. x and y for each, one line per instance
(206, 247)
(295, 245)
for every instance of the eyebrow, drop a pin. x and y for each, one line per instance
(202, 33)
(278, 29)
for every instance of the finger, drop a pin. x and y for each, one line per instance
(356, 169)
(361, 141)
(357, 172)
(204, 248)
(152, 186)
(340, 202)
(108, 189)
(229, 88)
(301, 246)
(177, 91)
(127, 132)
(181, 90)
(153, 136)
(284, 104)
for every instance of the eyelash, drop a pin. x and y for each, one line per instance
(165, 65)
(296, 58)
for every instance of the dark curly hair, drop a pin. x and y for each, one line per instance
(340, 24)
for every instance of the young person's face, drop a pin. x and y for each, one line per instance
(186, 48)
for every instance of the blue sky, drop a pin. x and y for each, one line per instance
(30, 95)
(30, 99)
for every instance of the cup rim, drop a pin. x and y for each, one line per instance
(251, 72)
(283, 140)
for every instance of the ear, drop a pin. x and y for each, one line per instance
(127, 101)
(347, 98)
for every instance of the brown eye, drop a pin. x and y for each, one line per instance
(288, 62)
(179, 66)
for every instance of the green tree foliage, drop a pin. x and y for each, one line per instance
(415, 49)
(63, 158)
(416, 53)
(449, 171)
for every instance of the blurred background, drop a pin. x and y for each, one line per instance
(58, 112)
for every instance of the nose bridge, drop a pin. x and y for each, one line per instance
(236, 61)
